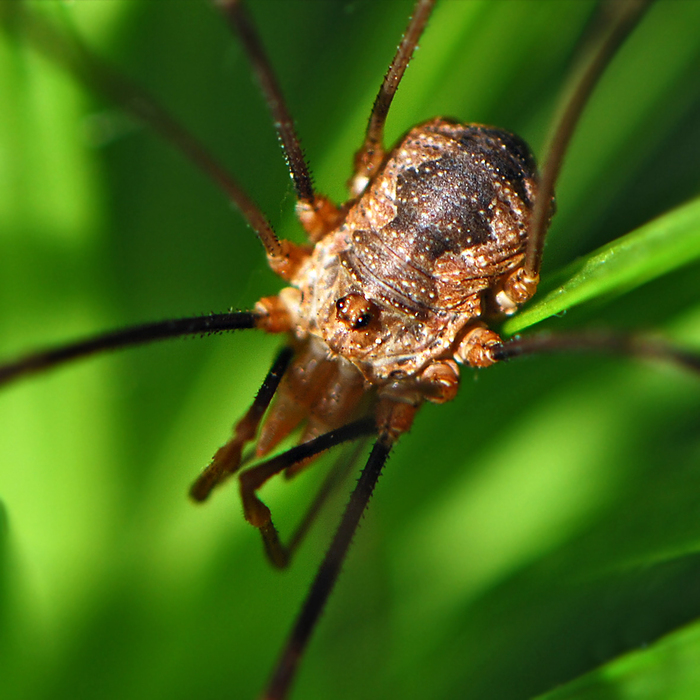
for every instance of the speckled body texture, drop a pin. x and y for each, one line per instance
(421, 253)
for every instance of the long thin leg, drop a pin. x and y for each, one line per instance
(316, 212)
(281, 554)
(328, 573)
(598, 341)
(239, 19)
(333, 479)
(630, 13)
(371, 153)
(257, 513)
(126, 337)
(101, 78)
(227, 459)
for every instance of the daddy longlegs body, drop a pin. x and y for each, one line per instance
(486, 582)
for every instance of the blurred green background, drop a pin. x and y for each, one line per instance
(540, 532)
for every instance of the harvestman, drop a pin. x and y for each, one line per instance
(442, 233)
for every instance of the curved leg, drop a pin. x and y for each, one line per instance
(124, 338)
(370, 155)
(281, 554)
(101, 77)
(597, 341)
(227, 459)
(328, 573)
(393, 420)
(317, 213)
(629, 14)
(257, 513)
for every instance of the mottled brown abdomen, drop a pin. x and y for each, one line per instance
(447, 214)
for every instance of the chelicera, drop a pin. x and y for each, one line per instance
(369, 318)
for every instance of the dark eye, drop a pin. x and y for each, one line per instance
(354, 311)
(363, 320)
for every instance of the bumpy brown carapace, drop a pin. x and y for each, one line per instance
(395, 296)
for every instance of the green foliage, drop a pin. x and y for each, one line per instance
(656, 249)
(537, 537)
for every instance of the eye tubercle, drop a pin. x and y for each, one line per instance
(355, 312)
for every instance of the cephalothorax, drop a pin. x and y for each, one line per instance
(395, 289)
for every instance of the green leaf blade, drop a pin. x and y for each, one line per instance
(656, 249)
